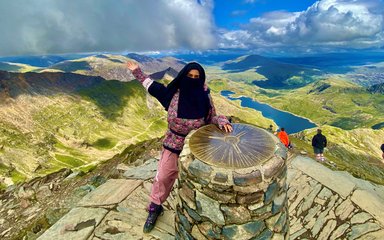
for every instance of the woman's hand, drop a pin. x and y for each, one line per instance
(228, 127)
(132, 65)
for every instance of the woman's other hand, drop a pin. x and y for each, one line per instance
(228, 127)
(132, 65)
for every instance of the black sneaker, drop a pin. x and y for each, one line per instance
(154, 212)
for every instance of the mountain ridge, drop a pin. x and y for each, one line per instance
(325, 101)
(278, 74)
(377, 88)
(52, 120)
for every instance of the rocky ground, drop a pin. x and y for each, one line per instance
(323, 204)
(28, 209)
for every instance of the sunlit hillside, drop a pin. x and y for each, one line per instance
(356, 151)
(53, 128)
(53, 120)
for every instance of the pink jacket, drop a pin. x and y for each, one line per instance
(178, 128)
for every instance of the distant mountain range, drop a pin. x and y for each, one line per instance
(336, 62)
(112, 67)
(279, 75)
(78, 112)
(377, 88)
(9, 67)
(364, 68)
(51, 119)
(14, 84)
(41, 61)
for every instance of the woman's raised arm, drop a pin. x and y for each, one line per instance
(154, 88)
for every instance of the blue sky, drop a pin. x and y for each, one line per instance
(231, 14)
(257, 26)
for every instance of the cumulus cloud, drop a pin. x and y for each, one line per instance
(325, 24)
(50, 26)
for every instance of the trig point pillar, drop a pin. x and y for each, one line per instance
(232, 185)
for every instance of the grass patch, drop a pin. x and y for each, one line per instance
(3, 169)
(17, 176)
(104, 143)
(69, 160)
(88, 168)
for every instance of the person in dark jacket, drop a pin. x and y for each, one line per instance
(319, 142)
(382, 149)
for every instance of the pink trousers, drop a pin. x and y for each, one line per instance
(167, 172)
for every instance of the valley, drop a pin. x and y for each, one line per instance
(79, 112)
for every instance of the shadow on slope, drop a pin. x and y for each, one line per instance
(70, 66)
(280, 75)
(110, 96)
(9, 67)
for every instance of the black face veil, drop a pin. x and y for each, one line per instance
(193, 100)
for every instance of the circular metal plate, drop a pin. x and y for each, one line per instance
(244, 147)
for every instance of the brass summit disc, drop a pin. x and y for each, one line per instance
(245, 146)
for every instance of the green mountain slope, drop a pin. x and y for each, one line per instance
(275, 74)
(377, 88)
(331, 101)
(112, 67)
(49, 121)
(44, 128)
(356, 151)
(16, 67)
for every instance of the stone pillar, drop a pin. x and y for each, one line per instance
(232, 185)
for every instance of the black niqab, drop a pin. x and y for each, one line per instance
(193, 99)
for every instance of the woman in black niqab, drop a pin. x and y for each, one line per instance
(194, 102)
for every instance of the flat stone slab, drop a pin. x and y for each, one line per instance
(373, 235)
(129, 225)
(112, 192)
(373, 188)
(144, 172)
(370, 203)
(334, 180)
(78, 224)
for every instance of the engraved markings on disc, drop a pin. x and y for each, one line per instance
(245, 146)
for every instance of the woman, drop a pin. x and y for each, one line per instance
(189, 107)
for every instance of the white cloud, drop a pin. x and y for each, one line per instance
(233, 39)
(326, 24)
(49, 26)
(250, 1)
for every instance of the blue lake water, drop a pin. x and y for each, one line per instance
(290, 122)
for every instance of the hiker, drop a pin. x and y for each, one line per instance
(283, 136)
(270, 128)
(382, 149)
(319, 142)
(189, 106)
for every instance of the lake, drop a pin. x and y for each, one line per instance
(290, 122)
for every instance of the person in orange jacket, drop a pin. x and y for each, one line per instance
(283, 136)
